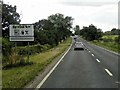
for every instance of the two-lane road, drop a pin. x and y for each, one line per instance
(91, 68)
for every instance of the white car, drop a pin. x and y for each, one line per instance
(79, 43)
(78, 46)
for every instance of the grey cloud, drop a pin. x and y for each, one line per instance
(88, 3)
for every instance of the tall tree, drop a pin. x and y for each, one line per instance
(91, 32)
(115, 31)
(62, 25)
(77, 30)
(0, 18)
(9, 16)
(53, 30)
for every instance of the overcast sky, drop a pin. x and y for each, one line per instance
(101, 13)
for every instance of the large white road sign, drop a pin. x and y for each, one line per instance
(21, 32)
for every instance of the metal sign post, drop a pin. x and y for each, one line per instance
(28, 53)
(15, 50)
(22, 32)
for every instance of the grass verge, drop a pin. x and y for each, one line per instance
(108, 45)
(18, 77)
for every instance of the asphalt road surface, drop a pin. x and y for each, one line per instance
(90, 68)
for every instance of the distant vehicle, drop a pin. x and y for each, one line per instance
(75, 38)
(79, 43)
(78, 46)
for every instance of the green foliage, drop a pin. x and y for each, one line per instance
(9, 16)
(108, 45)
(0, 18)
(109, 38)
(91, 33)
(111, 42)
(77, 30)
(53, 30)
(33, 49)
(117, 39)
(13, 55)
(48, 33)
(18, 77)
(114, 31)
(6, 49)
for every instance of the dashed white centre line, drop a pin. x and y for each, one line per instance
(89, 51)
(98, 60)
(93, 55)
(109, 73)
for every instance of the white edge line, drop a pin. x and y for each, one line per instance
(45, 78)
(108, 72)
(98, 60)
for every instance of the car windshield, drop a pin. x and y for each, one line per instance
(79, 42)
(78, 45)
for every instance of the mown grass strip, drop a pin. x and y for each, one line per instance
(18, 77)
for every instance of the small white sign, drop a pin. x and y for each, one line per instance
(21, 32)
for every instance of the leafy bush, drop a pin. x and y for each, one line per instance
(33, 49)
(14, 55)
(117, 39)
(108, 40)
(6, 49)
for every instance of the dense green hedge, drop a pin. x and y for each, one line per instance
(33, 49)
(12, 54)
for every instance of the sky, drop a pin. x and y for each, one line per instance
(101, 13)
